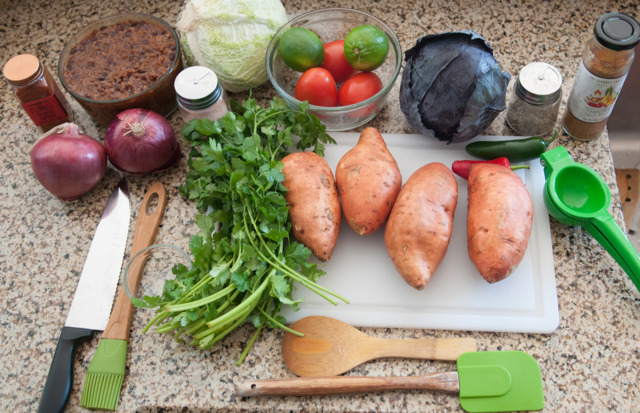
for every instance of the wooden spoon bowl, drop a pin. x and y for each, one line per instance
(330, 347)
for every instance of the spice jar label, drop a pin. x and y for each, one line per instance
(45, 111)
(592, 98)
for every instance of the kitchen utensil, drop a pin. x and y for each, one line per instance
(106, 371)
(577, 195)
(93, 299)
(494, 381)
(330, 347)
(457, 298)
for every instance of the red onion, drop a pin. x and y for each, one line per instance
(68, 163)
(140, 141)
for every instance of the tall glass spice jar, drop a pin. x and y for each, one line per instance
(605, 63)
(537, 94)
(37, 91)
(199, 94)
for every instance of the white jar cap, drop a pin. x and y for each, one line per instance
(197, 87)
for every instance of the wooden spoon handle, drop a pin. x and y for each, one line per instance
(149, 217)
(448, 349)
(300, 386)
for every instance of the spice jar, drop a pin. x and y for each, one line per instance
(37, 91)
(199, 94)
(537, 94)
(601, 74)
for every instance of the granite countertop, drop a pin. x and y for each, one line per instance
(590, 363)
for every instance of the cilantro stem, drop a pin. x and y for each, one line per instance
(164, 314)
(241, 318)
(228, 330)
(273, 115)
(195, 288)
(165, 328)
(229, 301)
(173, 308)
(244, 353)
(276, 264)
(196, 326)
(279, 324)
(315, 287)
(154, 320)
(248, 302)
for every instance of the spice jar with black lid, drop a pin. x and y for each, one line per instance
(537, 93)
(37, 91)
(604, 67)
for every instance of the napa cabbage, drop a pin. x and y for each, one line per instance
(230, 37)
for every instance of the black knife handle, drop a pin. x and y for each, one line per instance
(58, 386)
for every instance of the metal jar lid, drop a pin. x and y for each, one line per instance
(197, 87)
(539, 84)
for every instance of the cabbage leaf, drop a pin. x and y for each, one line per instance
(230, 37)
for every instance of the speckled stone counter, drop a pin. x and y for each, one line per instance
(590, 363)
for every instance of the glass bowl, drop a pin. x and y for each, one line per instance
(158, 261)
(335, 24)
(159, 96)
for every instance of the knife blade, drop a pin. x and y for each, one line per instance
(93, 299)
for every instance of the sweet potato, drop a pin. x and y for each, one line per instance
(369, 181)
(419, 227)
(499, 220)
(314, 206)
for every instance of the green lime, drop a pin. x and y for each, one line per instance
(301, 49)
(366, 47)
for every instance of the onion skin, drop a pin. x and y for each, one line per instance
(68, 163)
(140, 141)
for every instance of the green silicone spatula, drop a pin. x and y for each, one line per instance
(492, 381)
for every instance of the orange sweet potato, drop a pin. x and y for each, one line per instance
(314, 205)
(368, 181)
(499, 220)
(419, 227)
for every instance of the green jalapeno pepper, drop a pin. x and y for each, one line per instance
(515, 150)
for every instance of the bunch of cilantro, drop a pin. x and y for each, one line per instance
(244, 263)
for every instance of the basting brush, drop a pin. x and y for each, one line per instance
(106, 371)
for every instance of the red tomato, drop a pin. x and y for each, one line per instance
(335, 62)
(359, 87)
(317, 86)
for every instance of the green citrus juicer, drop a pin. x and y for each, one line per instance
(577, 195)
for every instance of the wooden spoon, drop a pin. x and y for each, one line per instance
(330, 347)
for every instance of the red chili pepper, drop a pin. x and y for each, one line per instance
(462, 168)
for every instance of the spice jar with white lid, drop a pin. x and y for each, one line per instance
(199, 94)
(537, 94)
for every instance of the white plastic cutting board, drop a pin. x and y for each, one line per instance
(457, 298)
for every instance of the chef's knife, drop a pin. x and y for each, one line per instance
(92, 302)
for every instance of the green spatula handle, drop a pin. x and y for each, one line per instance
(300, 386)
